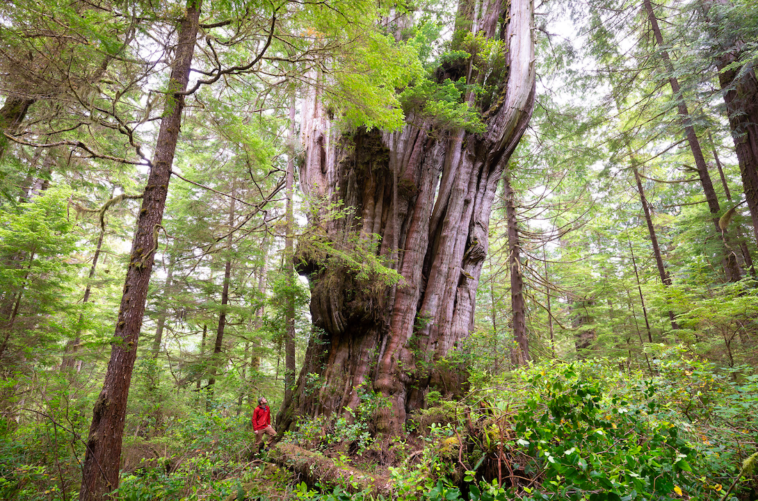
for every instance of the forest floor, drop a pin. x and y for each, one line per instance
(562, 431)
(555, 431)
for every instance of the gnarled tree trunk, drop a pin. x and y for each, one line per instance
(428, 196)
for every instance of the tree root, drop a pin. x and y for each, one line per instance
(314, 467)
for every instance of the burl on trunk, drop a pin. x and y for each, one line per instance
(427, 194)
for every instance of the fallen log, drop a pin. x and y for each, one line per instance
(314, 467)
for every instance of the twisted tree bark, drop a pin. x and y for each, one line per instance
(427, 195)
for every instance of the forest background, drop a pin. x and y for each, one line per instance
(177, 145)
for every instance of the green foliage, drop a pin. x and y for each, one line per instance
(442, 104)
(365, 91)
(351, 256)
(586, 428)
(353, 429)
(37, 278)
(302, 492)
(587, 439)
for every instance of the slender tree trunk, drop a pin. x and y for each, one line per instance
(256, 324)
(719, 167)
(16, 260)
(586, 335)
(518, 307)
(428, 196)
(162, 315)
(219, 343)
(29, 179)
(662, 272)
(11, 312)
(289, 270)
(73, 346)
(665, 278)
(100, 470)
(745, 252)
(493, 316)
(731, 268)
(636, 327)
(199, 381)
(642, 298)
(255, 361)
(11, 115)
(549, 308)
(243, 377)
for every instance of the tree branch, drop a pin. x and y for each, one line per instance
(75, 144)
(233, 69)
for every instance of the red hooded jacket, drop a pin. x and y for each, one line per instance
(261, 417)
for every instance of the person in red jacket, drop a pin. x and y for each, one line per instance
(262, 422)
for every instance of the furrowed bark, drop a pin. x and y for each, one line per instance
(427, 194)
(731, 268)
(741, 97)
(100, 470)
